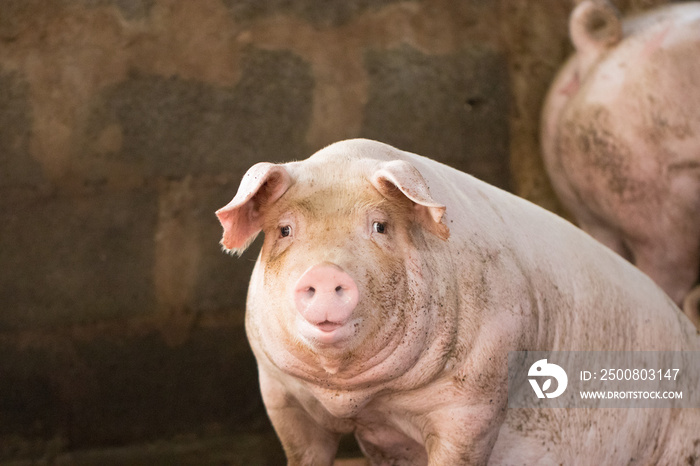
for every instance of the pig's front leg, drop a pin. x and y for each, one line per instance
(463, 436)
(305, 441)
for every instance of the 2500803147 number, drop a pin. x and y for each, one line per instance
(639, 374)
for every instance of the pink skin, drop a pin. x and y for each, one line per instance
(621, 138)
(325, 297)
(387, 295)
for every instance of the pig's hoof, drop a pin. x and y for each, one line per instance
(691, 306)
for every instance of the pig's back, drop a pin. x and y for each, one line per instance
(595, 299)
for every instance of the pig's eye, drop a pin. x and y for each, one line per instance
(379, 227)
(285, 231)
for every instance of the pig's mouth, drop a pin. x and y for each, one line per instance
(328, 326)
(326, 333)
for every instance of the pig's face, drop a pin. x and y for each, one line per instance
(340, 287)
(335, 255)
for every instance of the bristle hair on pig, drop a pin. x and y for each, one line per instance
(390, 289)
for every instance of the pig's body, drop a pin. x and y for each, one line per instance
(621, 138)
(421, 376)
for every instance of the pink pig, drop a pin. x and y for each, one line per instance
(621, 138)
(390, 289)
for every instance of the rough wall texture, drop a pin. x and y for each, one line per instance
(125, 123)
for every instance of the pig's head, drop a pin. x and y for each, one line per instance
(344, 285)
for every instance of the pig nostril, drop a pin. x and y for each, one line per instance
(325, 296)
(307, 293)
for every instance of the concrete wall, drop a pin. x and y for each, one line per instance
(125, 123)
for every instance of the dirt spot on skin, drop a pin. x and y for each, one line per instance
(666, 89)
(598, 156)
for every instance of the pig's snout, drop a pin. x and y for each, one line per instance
(326, 296)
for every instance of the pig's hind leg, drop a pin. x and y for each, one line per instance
(671, 261)
(606, 235)
(691, 305)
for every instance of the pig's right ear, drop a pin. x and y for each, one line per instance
(401, 176)
(263, 184)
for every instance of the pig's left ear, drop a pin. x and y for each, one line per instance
(401, 175)
(263, 183)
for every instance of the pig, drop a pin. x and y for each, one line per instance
(620, 138)
(390, 289)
